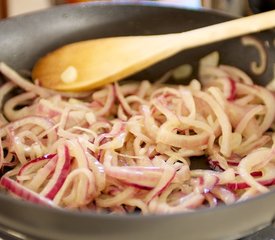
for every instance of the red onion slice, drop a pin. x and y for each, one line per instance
(142, 177)
(224, 194)
(232, 95)
(167, 177)
(23, 192)
(61, 171)
(131, 146)
(109, 102)
(42, 122)
(265, 177)
(167, 136)
(122, 100)
(30, 164)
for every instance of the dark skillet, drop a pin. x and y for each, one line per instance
(24, 39)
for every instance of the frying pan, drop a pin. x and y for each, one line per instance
(24, 39)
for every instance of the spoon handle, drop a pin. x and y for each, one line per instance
(225, 30)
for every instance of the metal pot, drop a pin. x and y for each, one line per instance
(24, 39)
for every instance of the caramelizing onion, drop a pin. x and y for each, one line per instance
(271, 85)
(256, 68)
(129, 148)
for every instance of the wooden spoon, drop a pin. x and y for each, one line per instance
(89, 64)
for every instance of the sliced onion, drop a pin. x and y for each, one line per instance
(182, 72)
(266, 97)
(83, 191)
(265, 177)
(150, 125)
(4, 90)
(210, 60)
(249, 145)
(218, 177)
(131, 146)
(257, 68)
(44, 123)
(232, 95)
(42, 175)
(271, 85)
(122, 100)
(23, 192)
(108, 103)
(224, 194)
(147, 177)
(167, 136)
(167, 177)
(29, 165)
(236, 74)
(117, 200)
(212, 200)
(186, 203)
(189, 102)
(223, 121)
(62, 169)
(47, 108)
(12, 103)
(144, 89)
(247, 120)
(30, 87)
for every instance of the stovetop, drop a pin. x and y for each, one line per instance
(267, 233)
